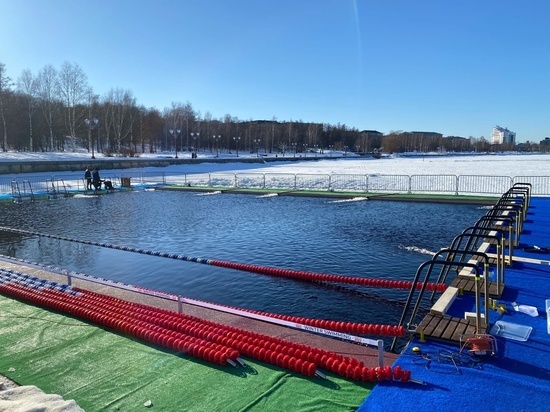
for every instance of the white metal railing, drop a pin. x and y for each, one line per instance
(444, 184)
(342, 183)
(280, 180)
(484, 184)
(389, 183)
(361, 183)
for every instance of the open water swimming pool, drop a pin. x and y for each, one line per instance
(374, 239)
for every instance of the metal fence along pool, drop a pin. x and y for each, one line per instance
(481, 185)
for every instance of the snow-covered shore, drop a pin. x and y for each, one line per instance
(506, 164)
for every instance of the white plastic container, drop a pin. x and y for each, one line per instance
(511, 330)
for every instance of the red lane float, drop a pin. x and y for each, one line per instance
(121, 315)
(296, 357)
(319, 277)
(141, 330)
(344, 327)
(196, 327)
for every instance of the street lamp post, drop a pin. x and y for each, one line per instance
(330, 148)
(315, 147)
(195, 137)
(175, 132)
(294, 145)
(217, 139)
(305, 149)
(257, 144)
(237, 144)
(91, 125)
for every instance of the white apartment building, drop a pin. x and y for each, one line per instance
(501, 135)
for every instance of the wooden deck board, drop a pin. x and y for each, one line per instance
(460, 329)
(446, 328)
(429, 324)
(450, 329)
(467, 284)
(442, 326)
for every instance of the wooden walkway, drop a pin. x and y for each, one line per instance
(441, 327)
(467, 284)
(445, 328)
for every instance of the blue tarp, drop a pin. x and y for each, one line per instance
(516, 378)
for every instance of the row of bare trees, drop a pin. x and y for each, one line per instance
(57, 110)
(46, 111)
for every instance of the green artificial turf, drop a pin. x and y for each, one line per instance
(404, 197)
(103, 370)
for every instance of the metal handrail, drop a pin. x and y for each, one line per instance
(431, 264)
(410, 184)
(16, 194)
(485, 259)
(452, 253)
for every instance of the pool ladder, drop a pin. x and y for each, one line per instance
(21, 194)
(508, 215)
(57, 189)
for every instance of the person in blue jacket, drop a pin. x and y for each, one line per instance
(96, 181)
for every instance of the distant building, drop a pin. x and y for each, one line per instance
(501, 135)
(369, 140)
(456, 143)
(431, 135)
(418, 141)
(371, 133)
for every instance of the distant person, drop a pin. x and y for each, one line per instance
(88, 178)
(108, 185)
(96, 181)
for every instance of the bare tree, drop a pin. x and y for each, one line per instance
(227, 121)
(189, 115)
(208, 119)
(5, 88)
(46, 84)
(73, 89)
(175, 118)
(28, 86)
(312, 134)
(142, 113)
(237, 131)
(92, 120)
(289, 133)
(273, 121)
(118, 119)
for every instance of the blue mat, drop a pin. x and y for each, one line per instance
(516, 378)
(535, 238)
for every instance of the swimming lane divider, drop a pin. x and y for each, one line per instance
(335, 329)
(204, 339)
(263, 270)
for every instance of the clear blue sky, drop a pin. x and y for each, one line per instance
(454, 67)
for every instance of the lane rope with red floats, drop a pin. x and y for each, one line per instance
(217, 343)
(337, 329)
(263, 270)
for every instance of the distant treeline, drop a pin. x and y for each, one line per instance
(57, 110)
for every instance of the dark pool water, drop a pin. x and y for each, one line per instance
(377, 239)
